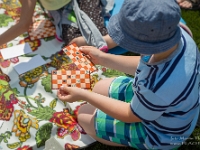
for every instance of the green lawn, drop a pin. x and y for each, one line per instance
(192, 19)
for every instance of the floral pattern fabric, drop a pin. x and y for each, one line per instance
(29, 108)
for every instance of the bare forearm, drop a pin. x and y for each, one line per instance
(110, 43)
(12, 33)
(80, 41)
(126, 64)
(25, 21)
(114, 108)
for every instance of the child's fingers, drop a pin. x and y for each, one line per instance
(62, 96)
(84, 49)
(59, 95)
(65, 89)
(62, 93)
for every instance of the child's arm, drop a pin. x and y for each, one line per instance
(117, 109)
(114, 108)
(111, 44)
(80, 41)
(23, 24)
(126, 64)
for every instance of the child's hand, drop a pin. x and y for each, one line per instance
(69, 94)
(80, 41)
(93, 53)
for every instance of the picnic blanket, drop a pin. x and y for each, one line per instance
(29, 108)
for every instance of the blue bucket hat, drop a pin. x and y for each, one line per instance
(146, 26)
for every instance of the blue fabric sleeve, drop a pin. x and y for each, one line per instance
(147, 105)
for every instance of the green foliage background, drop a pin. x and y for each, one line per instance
(192, 19)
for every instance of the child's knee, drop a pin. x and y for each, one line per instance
(85, 118)
(85, 111)
(98, 86)
(82, 109)
(102, 86)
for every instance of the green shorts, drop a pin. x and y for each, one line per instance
(110, 129)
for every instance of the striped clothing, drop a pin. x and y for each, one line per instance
(166, 96)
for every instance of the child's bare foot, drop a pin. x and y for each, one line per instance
(189, 4)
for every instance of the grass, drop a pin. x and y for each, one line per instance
(192, 19)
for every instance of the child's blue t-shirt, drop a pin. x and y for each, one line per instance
(166, 96)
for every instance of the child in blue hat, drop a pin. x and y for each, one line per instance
(159, 107)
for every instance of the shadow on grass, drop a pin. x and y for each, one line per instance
(193, 143)
(99, 146)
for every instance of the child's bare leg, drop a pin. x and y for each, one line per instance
(86, 116)
(102, 86)
(87, 112)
